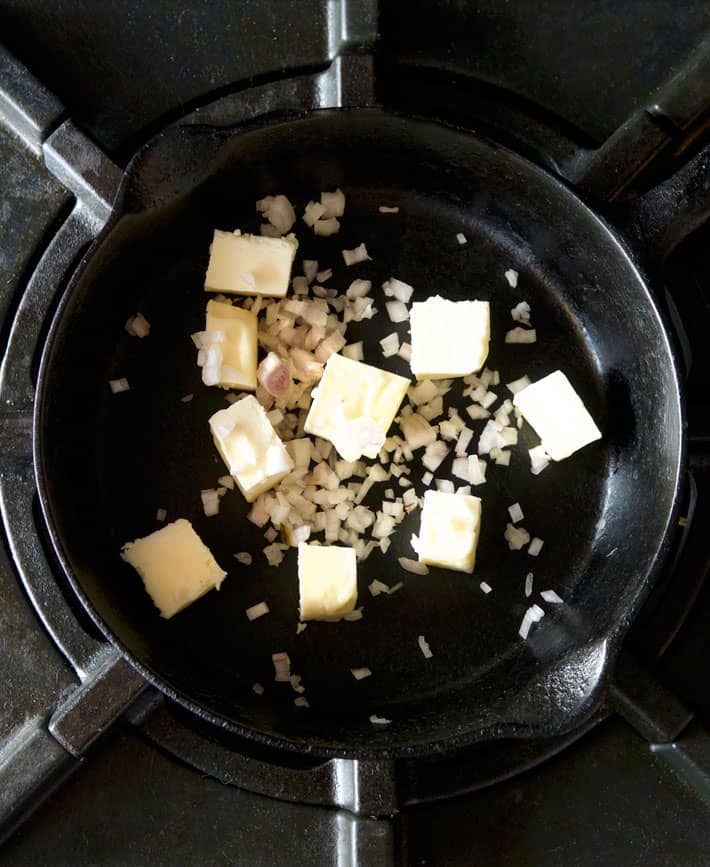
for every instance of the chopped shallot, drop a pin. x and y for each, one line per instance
(138, 326)
(551, 597)
(515, 512)
(413, 566)
(360, 673)
(357, 254)
(282, 667)
(118, 385)
(424, 647)
(521, 313)
(535, 547)
(521, 335)
(258, 610)
(516, 537)
(278, 211)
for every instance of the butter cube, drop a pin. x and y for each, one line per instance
(175, 565)
(236, 349)
(448, 534)
(327, 581)
(449, 338)
(250, 264)
(250, 447)
(556, 412)
(354, 406)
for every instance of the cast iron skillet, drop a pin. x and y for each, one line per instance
(105, 463)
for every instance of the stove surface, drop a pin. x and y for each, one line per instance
(634, 786)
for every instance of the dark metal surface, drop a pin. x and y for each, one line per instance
(26, 106)
(134, 805)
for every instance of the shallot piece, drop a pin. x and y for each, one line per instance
(138, 326)
(278, 211)
(274, 375)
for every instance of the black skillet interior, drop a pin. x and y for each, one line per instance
(106, 463)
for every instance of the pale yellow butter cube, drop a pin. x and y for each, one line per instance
(448, 535)
(250, 447)
(327, 581)
(449, 338)
(250, 264)
(354, 406)
(559, 417)
(239, 348)
(175, 565)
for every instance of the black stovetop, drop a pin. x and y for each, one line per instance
(572, 85)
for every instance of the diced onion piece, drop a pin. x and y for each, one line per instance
(186, 398)
(301, 701)
(388, 209)
(398, 289)
(358, 289)
(334, 203)
(118, 385)
(352, 616)
(310, 269)
(417, 431)
(516, 537)
(258, 610)
(274, 375)
(357, 254)
(518, 384)
(551, 597)
(360, 673)
(521, 313)
(434, 455)
(446, 486)
(138, 326)
(278, 211)
(413, 566)
(325, 228)
(397, 311)
(533, 615)
(476, 412)
(377, 587)
(529, 584)
(300, 627)
(424, 647)
(423, 392)
(390, 344)
(426, 478)
(161, 514)
(379, 720)
(512, 278)
(258, 689)
(485, 587)
(210, 502)
(521, 335)
(244, 557)
(516, 513)
(313, 212)
(535, 547)
(274, 553)
(461, 238)
(539, 460)
(354, 351)
(282, 667)
(405, 352)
